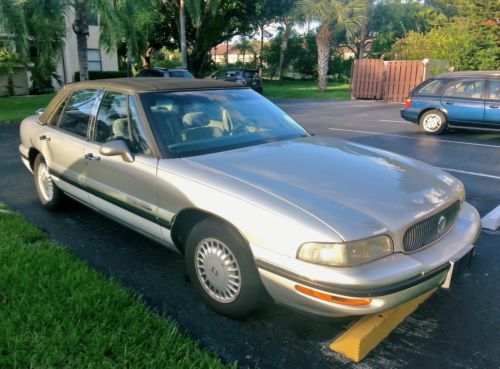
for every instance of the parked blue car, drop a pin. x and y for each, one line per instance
(468, 100)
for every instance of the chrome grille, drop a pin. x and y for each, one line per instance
(430, 229)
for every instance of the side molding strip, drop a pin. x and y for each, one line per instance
(142, 213)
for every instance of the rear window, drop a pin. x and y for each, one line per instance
(249, 74)
(432, 87)
(180, 74)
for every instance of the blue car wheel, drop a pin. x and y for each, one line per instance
(433, 122)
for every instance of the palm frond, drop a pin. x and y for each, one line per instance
(13, 23)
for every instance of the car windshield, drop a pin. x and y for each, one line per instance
(180, 74)
(199, 122)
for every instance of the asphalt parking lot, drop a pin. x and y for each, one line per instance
(457, 328)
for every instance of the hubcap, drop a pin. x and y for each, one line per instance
(45, 183)
(432, 122)
(217, 270)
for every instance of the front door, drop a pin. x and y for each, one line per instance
(464, 101)
(125, 190)
(64, 140)
(492, 104)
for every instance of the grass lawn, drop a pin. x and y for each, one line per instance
(17, 108)
(56, 312)
(305, 89)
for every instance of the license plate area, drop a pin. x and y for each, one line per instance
(458, 267)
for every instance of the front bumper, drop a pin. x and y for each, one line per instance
(388, 282)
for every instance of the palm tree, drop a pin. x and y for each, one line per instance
(12, 22)
(134, 26)
(46, 25)
(104, 10)
(333, 16)
(182, 26)
(243, 46)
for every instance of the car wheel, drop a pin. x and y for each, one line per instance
(433, 122)
(48, 193)
(221, 267)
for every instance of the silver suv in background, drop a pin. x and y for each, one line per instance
(245, 77)
(165, 72)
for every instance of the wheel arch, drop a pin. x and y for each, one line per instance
(187, 218)
(432, 108)
(32, 154)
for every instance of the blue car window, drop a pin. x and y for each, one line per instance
(432, 87)
(469, 89)
(495, 89)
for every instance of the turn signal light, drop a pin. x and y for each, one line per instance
(408, 103)
(331, 298)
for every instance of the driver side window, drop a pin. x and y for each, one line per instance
(118, 120)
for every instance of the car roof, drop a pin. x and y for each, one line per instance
(153, 84)
(169, 69)
(245, 69)
(133, 85)
(470, 74)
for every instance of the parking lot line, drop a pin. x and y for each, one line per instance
(471, 173)
(369, 331)
(416, 138)
(394, 121)
(491, 220)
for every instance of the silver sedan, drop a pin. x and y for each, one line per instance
(257, 206)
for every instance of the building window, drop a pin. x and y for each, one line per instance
(94, 59)
(92, 19)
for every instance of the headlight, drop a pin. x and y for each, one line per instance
(346, 253)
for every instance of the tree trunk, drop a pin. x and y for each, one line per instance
(182, 23)
(283, 48)
(227, 52)
(81, 29)
(261, 48)
(146, 58)
(129, 59)
(323, 40)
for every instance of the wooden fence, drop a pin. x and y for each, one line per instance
(368, 79)
(389, 81)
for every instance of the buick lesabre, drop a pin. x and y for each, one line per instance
(256, 204)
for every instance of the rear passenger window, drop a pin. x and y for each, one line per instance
(495, 89)
(77, 113)
(432, 87)
(469, 89)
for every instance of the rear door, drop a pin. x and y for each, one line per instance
(64, 141)
(464, 101)
(492, 103)
(124, 190)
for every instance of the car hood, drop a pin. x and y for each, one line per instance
(357, 190)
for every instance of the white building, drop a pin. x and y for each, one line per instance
(98, 59)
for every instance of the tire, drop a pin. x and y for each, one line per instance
(50, 196)
(216, 254)
(433, 122)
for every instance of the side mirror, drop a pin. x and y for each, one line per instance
(40, 111)
(117, 147)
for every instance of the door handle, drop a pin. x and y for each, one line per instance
(449, 103)
(44, 138)
(494, 106)
(91, 156)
